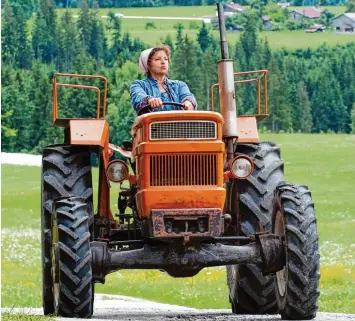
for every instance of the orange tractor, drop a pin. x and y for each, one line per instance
(203, 191)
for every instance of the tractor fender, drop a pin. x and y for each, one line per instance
(88, 132)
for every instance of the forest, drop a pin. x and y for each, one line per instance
(310, 91)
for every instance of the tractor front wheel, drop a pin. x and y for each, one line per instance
(71, 259)
(66, 172)
(250, 203)
(297, 284)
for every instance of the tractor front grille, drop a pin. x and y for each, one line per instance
(174, 130)
(183, 169)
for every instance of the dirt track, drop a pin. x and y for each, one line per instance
(120, 308)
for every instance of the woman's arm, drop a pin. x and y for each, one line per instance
(139, 97)
(186, 95)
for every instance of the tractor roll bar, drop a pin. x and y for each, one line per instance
(61, 121)
(258, 81)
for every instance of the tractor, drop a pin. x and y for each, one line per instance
(200, 190)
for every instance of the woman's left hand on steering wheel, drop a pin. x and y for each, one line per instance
(188, 105)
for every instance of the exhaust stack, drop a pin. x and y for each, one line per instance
(226, 87)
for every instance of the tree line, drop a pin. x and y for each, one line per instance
(309, 90)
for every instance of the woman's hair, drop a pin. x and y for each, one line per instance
(164, 48)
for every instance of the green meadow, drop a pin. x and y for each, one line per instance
(324, 162)
(281, 39)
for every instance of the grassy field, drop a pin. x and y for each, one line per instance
(326, 163)
(277, 40)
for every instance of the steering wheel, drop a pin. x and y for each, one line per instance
(147, 108)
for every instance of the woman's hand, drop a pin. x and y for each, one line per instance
(155, 103)
(188, 105)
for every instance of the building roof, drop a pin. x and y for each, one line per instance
(235, 7)
(266, 18)
(311, 13)
(350, 15)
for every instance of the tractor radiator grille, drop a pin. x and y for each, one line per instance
(183, 130)
(177, 170)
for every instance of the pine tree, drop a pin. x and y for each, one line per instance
(203, 37)
(24, 52)
(280, 111)
(185, 67)
(305, 117)
(9, 37)
(179, 27)
(116, 47)
(84, 24)
(44, 42)
(68, 41)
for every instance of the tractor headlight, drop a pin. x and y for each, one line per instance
(242, 167)
(117, 171)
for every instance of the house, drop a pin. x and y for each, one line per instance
(309, 13)
(284, 5)
(267, 23)
(231, 9)
(316, 28)
(345, 22)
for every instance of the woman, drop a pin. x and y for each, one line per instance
(157, 87)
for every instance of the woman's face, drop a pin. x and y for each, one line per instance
(159, 63)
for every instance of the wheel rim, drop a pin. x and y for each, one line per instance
(55, 264)
(281, 276)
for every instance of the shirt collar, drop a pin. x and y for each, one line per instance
(166, 80)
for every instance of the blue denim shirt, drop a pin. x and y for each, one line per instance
(142, 90)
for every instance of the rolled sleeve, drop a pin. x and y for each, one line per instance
(186, 95)
(139, 97)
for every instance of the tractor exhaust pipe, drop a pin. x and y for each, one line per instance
(226, 88)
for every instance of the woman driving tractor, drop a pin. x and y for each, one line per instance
(157, 89)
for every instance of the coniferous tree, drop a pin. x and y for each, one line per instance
(203, 37)
(9, 38)
(68, 43)
(44, 42)
(115, 30)
(305, 118)
(280, 111)
(185, 67)
(24, 52)
(84, 24)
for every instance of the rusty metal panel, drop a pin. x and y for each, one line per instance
(247, 129)
(214, 215)
(88, 132)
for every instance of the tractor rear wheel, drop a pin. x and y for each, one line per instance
(297, 284)
(71, 259)
(250, 205)
(66, 172)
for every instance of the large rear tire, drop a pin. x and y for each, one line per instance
(297, 285)
(250, 202)
(71, 257)
(66, 172)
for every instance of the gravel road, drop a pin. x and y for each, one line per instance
(121, 308)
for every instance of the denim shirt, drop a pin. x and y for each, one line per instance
(143, 90)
